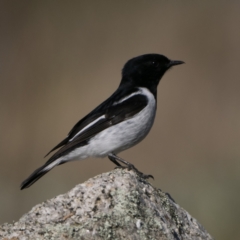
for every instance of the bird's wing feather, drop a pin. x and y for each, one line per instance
(108, 117)
(95, 114)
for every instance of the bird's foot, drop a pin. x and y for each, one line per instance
(133, 168)
(140, 174)
(114, 158)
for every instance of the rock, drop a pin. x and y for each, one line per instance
(114, 205)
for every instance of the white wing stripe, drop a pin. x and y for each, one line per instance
(89, 125)
(129, 96)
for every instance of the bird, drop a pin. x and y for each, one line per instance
(119, 123)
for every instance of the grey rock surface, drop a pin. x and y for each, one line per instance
(114, 205)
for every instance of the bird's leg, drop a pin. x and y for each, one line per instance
(114, 158)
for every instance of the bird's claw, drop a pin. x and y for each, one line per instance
(133, 168)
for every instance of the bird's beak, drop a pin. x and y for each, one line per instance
(175, 62)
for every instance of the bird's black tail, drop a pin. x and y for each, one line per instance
(38, 173)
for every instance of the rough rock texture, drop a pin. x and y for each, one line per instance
(113, 205)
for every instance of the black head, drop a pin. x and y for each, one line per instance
(146, 70)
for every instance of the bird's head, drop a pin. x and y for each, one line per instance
(146, 70)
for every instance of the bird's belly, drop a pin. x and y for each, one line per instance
(123, 135)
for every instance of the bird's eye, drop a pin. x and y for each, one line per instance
(155, 64)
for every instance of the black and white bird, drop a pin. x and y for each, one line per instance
(120, 122)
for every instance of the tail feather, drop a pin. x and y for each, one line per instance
(38, 173)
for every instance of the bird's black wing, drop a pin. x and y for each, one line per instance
(95, 114)
(100, 120)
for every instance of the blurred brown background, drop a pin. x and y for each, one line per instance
(59, 59)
